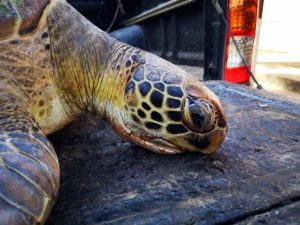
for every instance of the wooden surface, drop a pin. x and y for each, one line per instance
(253, 179)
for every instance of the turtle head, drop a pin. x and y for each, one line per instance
(168, 111)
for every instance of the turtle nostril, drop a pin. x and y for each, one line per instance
(199, 115)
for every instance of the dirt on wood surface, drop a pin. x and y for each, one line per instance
(254, 177)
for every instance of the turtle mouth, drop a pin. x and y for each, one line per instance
(164, 146)
(153, 143)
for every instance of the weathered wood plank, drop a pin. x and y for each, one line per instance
(288, 214)
(106, 180)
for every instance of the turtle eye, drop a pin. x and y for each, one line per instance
(199, 115)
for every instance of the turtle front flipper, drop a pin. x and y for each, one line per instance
(29, 170)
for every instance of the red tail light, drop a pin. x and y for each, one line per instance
(242, 17)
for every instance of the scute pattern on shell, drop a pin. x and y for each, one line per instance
(20, 16)
(8, 19)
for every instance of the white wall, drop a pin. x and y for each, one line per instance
(280, 31)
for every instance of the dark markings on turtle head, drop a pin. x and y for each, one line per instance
(14, 42)
(42, 113)
(156, 116)
(200, 144)
(44, 35)
(152, 126)
(133, 56)
(134, 117)
(173, 103)
(175, 91)
(160, 86)
(140, 59)
(41, 103)
(174, 115)
(27, 30)
(141, 113)
(176, 129)
(139, 74)
(24, 129)
(156, 98)
(144, 88)
(128, 63)
(146, 106)
(130, 87)
(34, 128)
(47, 46)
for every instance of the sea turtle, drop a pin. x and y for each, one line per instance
(56, 65)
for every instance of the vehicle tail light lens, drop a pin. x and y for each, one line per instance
(242, 18)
